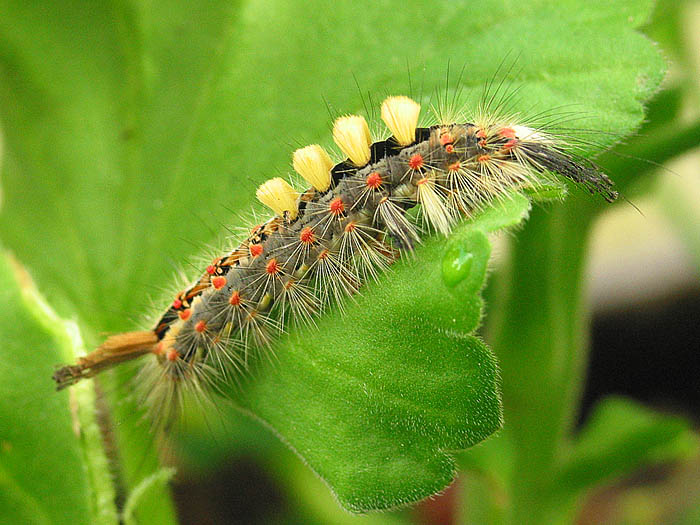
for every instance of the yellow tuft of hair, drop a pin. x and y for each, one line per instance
(279, 196)
(400, 114)
(314, 164)
(351, 134)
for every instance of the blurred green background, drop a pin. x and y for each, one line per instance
(130, 131)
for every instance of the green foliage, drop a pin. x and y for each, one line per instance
(128, 127)
(396, 383)
(52, 465)
(620, 437)
(145, 122)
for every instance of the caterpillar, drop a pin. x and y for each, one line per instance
(323, 243)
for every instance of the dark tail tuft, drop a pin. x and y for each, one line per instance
(582, 172)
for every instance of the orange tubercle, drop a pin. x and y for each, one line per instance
(507, 133)
(415, 162)
(272, 267)
(235, 299)
(374, 180)
(171, 355)
(185, 314)
(510, 144)
(307, 235)
(218, 282)
(336, 206)
(255, 249)
(201, 326)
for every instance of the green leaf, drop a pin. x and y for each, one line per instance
(145, 123)
(622, 436)
(52, 466)
(551, 191)
(129, 126)
(385, 394)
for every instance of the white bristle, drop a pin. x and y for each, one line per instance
(351, 134)
(433, 206)
(395, 221)
(314, 164)
(400, 114)
(279, 196)
(528, 134)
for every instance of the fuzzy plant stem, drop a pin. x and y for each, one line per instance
(539, 331)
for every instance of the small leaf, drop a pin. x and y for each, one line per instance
(551, 191)
(504, 214)
(622, 436)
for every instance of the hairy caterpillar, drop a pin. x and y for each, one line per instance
(323, 243)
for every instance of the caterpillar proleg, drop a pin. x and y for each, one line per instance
(323, 243)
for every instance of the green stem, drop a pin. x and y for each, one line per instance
(102, 492)
(539, 332)
(538, 325)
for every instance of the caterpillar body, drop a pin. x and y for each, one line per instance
(323, 243)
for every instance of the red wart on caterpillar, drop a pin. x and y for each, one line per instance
(324, 242)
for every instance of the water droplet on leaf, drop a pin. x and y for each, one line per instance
(456, 264)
